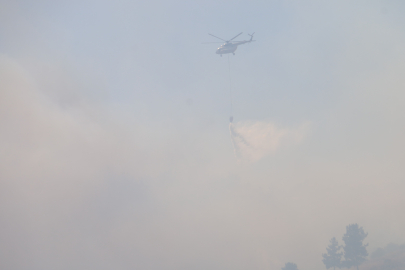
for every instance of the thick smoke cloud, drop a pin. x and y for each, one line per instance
(56, 165)
(104, 164)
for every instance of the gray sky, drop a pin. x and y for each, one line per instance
(115, 150)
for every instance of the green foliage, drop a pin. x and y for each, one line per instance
(290, 266)
(355, 252)
(333, 257)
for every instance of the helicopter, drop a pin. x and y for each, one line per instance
(230, 46)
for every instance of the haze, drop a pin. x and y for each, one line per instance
(115, 149)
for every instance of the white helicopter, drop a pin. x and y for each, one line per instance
(230, 46)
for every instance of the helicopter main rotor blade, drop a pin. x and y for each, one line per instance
(218, 37)
(242, 40)
(236, 36)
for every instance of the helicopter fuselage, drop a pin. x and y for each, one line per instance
(227, 48)
(230, 47)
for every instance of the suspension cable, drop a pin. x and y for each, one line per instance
(230, 88)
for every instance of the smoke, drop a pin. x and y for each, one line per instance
(253, 141)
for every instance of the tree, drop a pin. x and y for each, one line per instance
(355, 252)
(290, 266)
(333, 257)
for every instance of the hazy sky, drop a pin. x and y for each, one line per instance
(115, 149)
